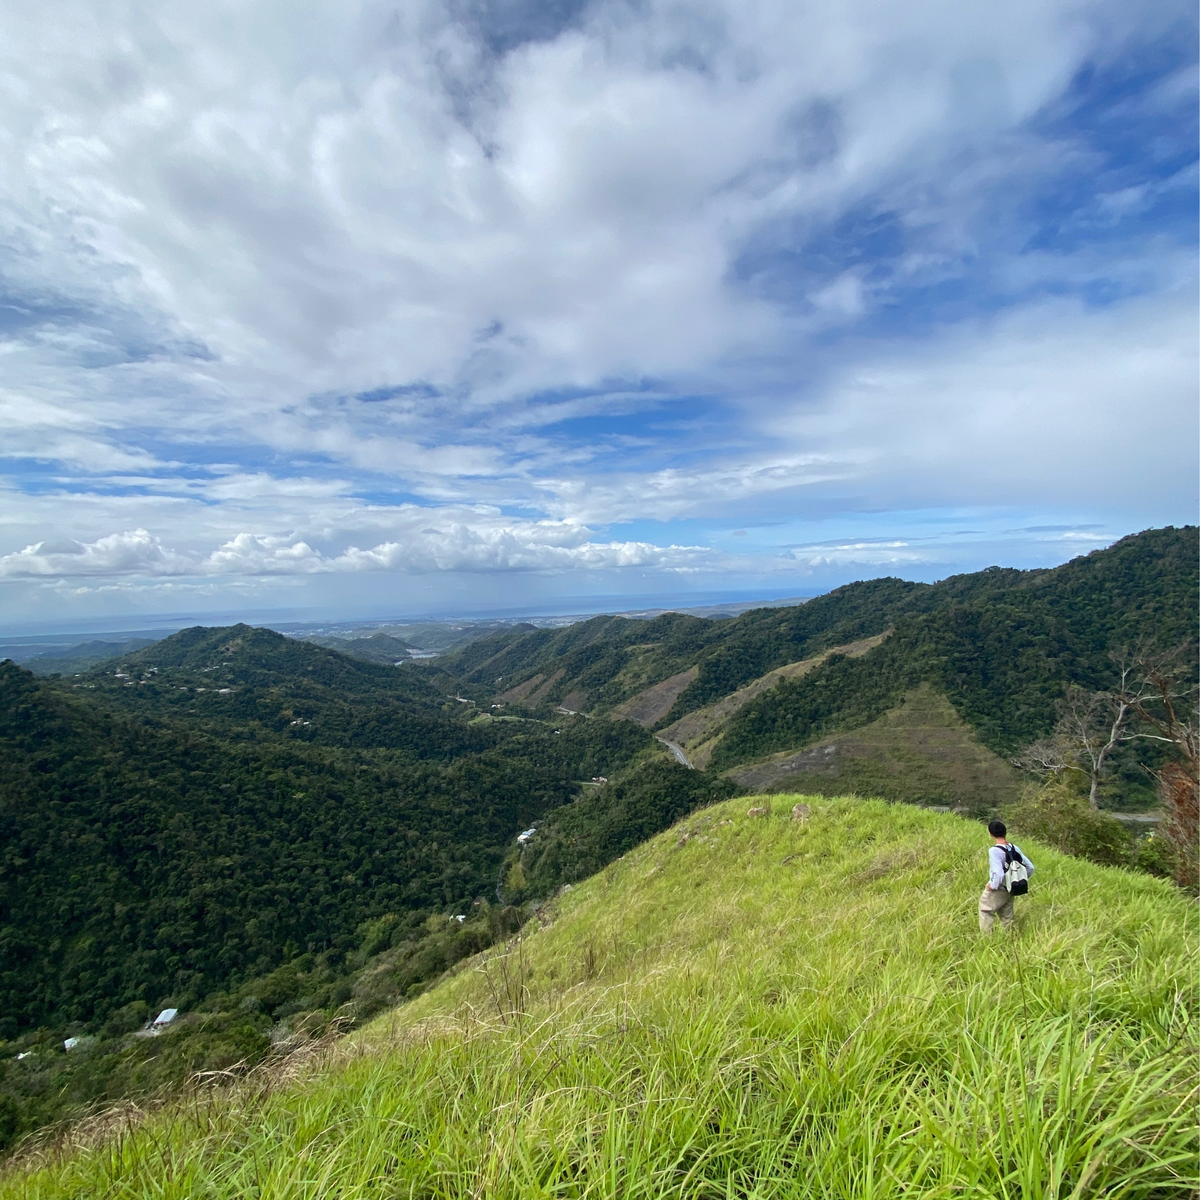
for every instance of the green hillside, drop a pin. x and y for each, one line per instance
(150, 863)
(744, 1006)
(252, 683)
(1060, 623)
(377, 647)
(1002, 663)
(271, 835)
(921, 752)
(1000, 645)
(701, 729)
(149, 858)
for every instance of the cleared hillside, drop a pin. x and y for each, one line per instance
(698, 731)
(744, 1006)
(921, 751)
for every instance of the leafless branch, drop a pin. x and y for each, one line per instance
(1163, 695)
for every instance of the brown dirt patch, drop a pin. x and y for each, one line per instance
(650, 706)
(696, 727)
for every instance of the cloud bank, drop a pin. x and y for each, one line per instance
(436, 541)
(503, 288)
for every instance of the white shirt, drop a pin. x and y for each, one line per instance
(997, 863)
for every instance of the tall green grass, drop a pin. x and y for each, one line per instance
(743, 1007)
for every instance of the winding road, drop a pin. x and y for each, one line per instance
(680, 757)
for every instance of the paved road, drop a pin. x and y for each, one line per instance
(680, 757)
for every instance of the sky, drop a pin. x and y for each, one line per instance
(356, 309)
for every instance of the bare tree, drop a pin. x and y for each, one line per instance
(1049, 758)
(1166, 704)
(1157, 699)
(1091, 725)
(1165, 701)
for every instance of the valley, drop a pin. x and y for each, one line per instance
(283, 839)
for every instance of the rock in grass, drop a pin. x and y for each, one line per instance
(761, 811)
(799, 812)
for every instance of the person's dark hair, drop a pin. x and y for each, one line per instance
(997, 829)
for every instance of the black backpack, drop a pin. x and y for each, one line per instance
(1016, 873)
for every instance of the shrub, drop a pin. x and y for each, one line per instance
(1178, 790)
(10, 1121)
(1061, 817)
(1155, 855)
(126, 1020)
(377, 935)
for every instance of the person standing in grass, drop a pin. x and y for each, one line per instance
(997, 900)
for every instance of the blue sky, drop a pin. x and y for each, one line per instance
(373, 310)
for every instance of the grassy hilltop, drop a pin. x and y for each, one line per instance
(744, 1006)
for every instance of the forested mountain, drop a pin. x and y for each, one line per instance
(237, 824)
(254, 685)
(255, 827)
(1000, 644)
(1000, 647)
(147, 862)
(377, 647)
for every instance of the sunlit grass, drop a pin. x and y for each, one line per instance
(767, 1008)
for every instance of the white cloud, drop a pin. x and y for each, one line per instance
(435, 541)
(461, 548)
(843, 296)
(134, 552)
(313, 209)
(1054, 404)
(219, 223)
(248, 554)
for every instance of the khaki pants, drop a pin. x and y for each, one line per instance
(995, 904)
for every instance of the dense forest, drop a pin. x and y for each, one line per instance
(255, 831)
(153, 860)
(1001, 647)
(1003, 642)
(269, 834)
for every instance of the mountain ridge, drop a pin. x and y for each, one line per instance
(1001, 644)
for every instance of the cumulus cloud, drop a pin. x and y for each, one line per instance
(134, 552)
(461, 548)
(434, 542)
(271, 285)
(376, 198)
